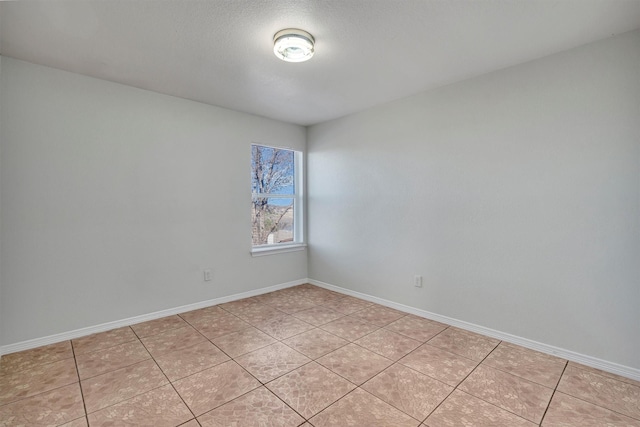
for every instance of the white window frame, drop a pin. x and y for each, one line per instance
(298, 243)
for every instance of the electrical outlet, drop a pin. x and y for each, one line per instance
(417, 281)
(207, 275)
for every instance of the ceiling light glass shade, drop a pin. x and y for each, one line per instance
(293, 45)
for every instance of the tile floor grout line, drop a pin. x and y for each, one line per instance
(211, 339)
(397, 362)
(39, 364)
(599, 406)
(167, 377)
(237, 397)
(507, 410)
(55, 388)
(124, 367)
(606, 377)
(282, 400)
(634, 383)
(460, 382)
(113, 370)
(42, 392)
(190, 346)
(439, 333)
(522, 378)
(331, 351)
(497, 368)
(554, 393)
(84, 404)
(182, 400)
(128, 398)
(111, 346)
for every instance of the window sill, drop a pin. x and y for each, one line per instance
(272, 250)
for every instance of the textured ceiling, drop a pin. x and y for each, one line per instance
(368, 51)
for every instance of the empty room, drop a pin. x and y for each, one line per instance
(410, 213)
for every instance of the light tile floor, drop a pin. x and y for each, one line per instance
(304, 356)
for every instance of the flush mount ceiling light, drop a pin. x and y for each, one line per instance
(293, 45)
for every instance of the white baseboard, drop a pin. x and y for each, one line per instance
(572, 356)
(594, 362)
(77, 333)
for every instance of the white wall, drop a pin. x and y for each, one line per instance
(1, 328)
(516, 195)
(114, 199)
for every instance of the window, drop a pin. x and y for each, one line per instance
(276, 199)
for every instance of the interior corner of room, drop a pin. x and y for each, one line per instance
(513, 195)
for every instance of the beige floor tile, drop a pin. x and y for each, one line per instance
(272, 361)
(291, 292)
(415, 327)
(388, 344)
(161, 407)
(529, 364)
(468, 344)
(378, 315)
(215, 386)
(122, 384)
(243, 341)
(203, 313)
(522, 397)
(22, 360)
(190, 360)
(567, 411)
(80, 422)
(603, 391)
(315, 343)
(103, 340)
(172, 340)
(603, 373)
(320, 298)
(260, 313)
(37, 380)
(293, 304)
(354, 363)
(310, 388)
(318, 315)
(266, 299)
(360, 409)
(284, 327)
(53, 407)
(192, 423)
(239, 305)
(463, 410)
(439, 364)
(411, 392)
(212, 310)
(349, 328)
(214, 327)
(154, 327)
(348, 305)
(258, 408)
(112, 358)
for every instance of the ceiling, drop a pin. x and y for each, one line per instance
(368, 52)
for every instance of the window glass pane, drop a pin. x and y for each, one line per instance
(272, 170)
(272, 220)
